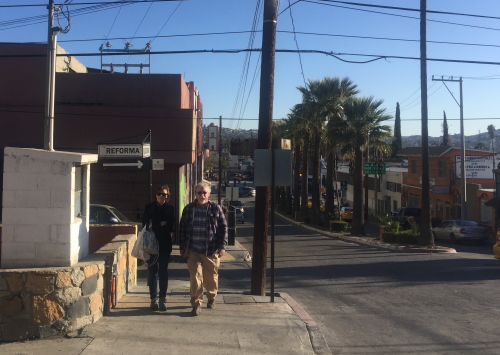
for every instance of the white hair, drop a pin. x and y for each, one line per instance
(202, 184)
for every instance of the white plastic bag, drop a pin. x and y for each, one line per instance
(137, 251)
(149, 241)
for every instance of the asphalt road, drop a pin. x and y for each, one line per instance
(369, 300)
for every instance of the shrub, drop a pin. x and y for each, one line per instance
(338, 226)
(403, 237)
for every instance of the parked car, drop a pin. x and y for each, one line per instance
(237, 204)
(246, 191)
(458, 230)
(240, 217)
(407, 215)
(346, 213)
(104, 214)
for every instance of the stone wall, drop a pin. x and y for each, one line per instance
(41, 302)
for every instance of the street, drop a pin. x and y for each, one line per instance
(370, 300)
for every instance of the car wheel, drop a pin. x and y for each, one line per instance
(453, 239)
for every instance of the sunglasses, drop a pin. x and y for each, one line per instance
(162, 194)
(201, 192)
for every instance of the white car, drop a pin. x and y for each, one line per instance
(457, 230)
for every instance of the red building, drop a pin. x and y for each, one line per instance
(446, 191)
(93, 107)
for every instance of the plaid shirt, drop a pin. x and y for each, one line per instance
(198, 240)
(216, 227)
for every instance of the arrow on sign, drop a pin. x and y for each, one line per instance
(139, 164)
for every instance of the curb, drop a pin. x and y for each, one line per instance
(318, 341)
(374, 241)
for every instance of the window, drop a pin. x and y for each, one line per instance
(212, 134)
(391, 186)
(447, 210)
(394, 205)
(441, 168)
(212, 148)
(439, 209)
(414, 200)
(413, 166)
(78, 194)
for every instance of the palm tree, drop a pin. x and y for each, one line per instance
(491, 132)
(362, 118)
(323, 99)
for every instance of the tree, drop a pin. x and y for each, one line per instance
(397, 142)
(362, 119)
(446, 136)
(322, 100)
(491, 133)
(480, 145)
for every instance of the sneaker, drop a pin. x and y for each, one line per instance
(163, 304)
(154, 304)
(211, 304)
(196, 310)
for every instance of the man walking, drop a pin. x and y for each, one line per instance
(203, 239)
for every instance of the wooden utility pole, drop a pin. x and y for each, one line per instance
(259, 262)
(425, 227)
(48, 134)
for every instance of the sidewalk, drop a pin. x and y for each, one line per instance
(239, 324)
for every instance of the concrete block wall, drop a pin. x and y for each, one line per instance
(39, 224)
(42, 302)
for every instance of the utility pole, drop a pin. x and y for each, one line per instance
(48, 134)
(366, 179)
(259, 262)
(426, 237)
(463, 173)
(220, 161)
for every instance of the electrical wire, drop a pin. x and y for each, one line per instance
(291, 32)
(403, 16)
(168, 19)
(235, 51)
(297, 44)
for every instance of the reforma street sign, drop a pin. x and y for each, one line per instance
(373, 168)
(111, 165)
(124, 150)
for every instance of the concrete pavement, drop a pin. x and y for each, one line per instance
(239, 324)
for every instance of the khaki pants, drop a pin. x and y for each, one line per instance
(203, 272)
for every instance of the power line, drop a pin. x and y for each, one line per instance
(217, 118)
(403, 16)
(91, 3)
(236, 51)
(412, 9)
(290, 32)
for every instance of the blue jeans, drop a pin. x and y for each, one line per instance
(158, 272)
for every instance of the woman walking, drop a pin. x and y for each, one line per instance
(161, 215)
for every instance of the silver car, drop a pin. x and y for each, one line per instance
(457, 230)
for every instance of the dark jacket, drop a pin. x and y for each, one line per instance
(217, 227)
(156, 213)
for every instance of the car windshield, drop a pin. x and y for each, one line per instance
(118, 214)
(348, 209)
(467, 223)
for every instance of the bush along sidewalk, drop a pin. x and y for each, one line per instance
(338, 226)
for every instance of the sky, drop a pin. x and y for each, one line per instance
(229, 84)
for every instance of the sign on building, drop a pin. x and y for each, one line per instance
(124, 150)
(476, 167)
(158, 164)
